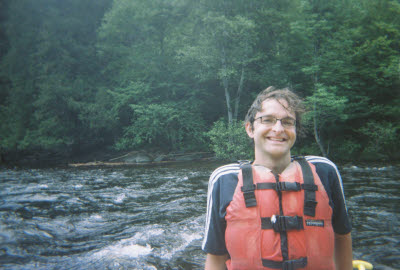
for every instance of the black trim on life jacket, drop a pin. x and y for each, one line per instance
(248, 185)
(309, 186)
(287, 186)
(282, 223)
(286, 265)
(283, 234)
(282, 186)
(309, 195)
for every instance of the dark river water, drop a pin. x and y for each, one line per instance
(152, 217)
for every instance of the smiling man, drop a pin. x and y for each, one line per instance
(279, 211)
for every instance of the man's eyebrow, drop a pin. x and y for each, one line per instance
(269, 115)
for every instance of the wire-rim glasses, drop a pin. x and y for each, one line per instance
(268, 120)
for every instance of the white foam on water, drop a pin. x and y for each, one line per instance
(185, 240)
(124, 248)
(41, 198)
(133, 247)
(148, 234)
(78, 186)
(99, 180)
(95, 217)
(45, 234)
(132, 251)
(120, 198)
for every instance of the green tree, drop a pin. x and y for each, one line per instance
(50, 68)
(223, 49)
(383, 140)
(138, 44)
(75, 79)
(237, 148)
(327, 111)
(164, 126)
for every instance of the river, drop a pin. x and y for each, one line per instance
(152, 217)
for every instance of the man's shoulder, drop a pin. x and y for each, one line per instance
(321, 162)
(326, 170)
(228, 169)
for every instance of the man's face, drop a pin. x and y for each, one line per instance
(272, 141)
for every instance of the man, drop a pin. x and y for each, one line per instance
(278, 212)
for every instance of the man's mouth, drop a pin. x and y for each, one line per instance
(276, 139)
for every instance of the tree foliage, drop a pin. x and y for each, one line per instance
(230, 141)
(128, 74)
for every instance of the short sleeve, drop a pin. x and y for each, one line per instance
(221, 187)
(332, 181)
(340, 218)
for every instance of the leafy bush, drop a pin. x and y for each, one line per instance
(382, 139)
(162, 126)
(230, 142)
(310, 148)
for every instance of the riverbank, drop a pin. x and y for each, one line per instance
(107, 157)
(142, 158)
(100, 157)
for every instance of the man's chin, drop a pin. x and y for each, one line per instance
(278, 153)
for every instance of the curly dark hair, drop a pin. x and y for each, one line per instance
(295, 104)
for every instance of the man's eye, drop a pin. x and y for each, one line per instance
(288, 121)
(268, 120)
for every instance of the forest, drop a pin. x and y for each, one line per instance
(179, 75)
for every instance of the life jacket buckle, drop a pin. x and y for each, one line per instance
(250, 188)
(286, 223)
(288, 186)
(248, 192)
(310, 204)
(249, 195)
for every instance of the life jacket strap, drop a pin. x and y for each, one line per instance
(309, 186)
(287, 186)
(282, 223)
(309, 194)
(286, 265)
(280, 186)
(248, 185)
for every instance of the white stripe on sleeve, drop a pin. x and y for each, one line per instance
(226, 169)
(317, 159)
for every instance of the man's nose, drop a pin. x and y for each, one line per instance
(278, 126)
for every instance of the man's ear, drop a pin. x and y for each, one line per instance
(249, 130)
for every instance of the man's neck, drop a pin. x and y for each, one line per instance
(275, 165)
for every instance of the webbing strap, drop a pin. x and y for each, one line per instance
(282, 223)
(310, 187)
(309, 195)
(280, 186)
(287, 186)
(286, 265)
(248, 185)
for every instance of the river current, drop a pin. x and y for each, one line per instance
(152, 217)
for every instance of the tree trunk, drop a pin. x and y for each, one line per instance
(225, 82)
(228, 103)
(316, 133)
(315, 120)
(238, 94)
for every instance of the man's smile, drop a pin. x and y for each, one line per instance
(276, 139)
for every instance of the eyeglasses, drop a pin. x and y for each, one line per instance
(287, 122)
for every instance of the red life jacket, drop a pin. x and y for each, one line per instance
(280, 221)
